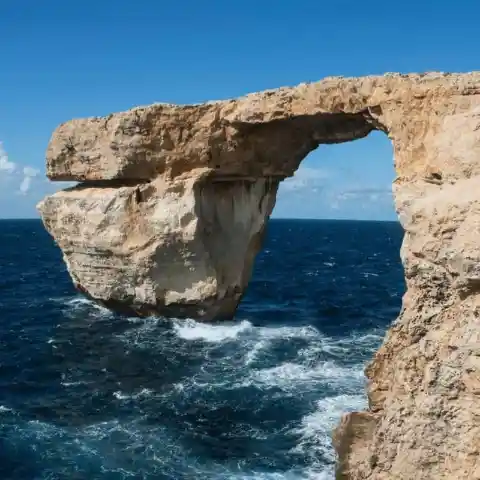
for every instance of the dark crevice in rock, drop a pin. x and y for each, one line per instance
(323, 128)
(218, 178)
(114, 183)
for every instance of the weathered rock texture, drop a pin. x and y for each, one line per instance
(174, 199)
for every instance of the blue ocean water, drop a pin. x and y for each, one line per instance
(86, 394)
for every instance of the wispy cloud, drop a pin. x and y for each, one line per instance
(361, 195)
(28, 174)
(17, 173)
(306, 179)
(367, 192)
(5, 164)
(26, 184)
(30, 171)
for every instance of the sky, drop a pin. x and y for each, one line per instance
(63, 60)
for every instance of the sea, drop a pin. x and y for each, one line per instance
(87, 394)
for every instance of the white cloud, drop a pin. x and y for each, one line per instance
(5, 164)
(28, 174)
(365, 193)
(361, 195)
(30, 171)
(25, 185)
(305, 178)
(11, 168)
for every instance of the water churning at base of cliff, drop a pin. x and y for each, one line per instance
(88, 394)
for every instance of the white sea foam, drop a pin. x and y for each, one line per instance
(306, 474)
(303, 373)
(144, 392)
(253, 352)
(4, 409)
(73, 384)
(135, 320)
(79, 302)
(82, 303)
(371, 339)
(189, 329)
(289, 332)
(341, 347)
(63, 300)
(316, 427)
(288, 376)
(262, 338)
(142, 334)
(192, 330)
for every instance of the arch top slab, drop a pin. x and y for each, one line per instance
(262, 134)
(172, 205)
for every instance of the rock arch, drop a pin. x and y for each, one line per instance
(173, 202)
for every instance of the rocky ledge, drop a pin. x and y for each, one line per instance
(172, 205)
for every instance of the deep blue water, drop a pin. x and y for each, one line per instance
(85, 394)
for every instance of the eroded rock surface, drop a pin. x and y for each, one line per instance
(173, 202)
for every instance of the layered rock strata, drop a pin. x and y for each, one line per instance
(172, 205)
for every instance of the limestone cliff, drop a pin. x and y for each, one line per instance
(173, 202)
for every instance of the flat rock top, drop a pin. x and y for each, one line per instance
(235, 137)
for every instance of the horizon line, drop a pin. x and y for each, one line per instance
(271, 219)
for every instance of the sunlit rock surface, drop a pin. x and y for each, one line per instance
(173, 201)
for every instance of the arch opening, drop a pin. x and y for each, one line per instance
(330, 274)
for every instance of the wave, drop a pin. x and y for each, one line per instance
(264, 338)
(144, 392)
(129, 449)
(214, 333)
(145, 334)
(82, 304)
(316, 428)
(72, 384)
(305, 474)
(254, 352)
(321, 360)
(192, 330)
(189, 329)
(288, 376)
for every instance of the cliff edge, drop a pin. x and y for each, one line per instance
(172, 205)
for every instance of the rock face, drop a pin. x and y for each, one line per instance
(173, 202)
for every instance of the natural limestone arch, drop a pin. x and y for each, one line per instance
(173, 202)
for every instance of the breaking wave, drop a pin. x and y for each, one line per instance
(191, 330)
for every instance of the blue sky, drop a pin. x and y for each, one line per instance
(62, 59)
